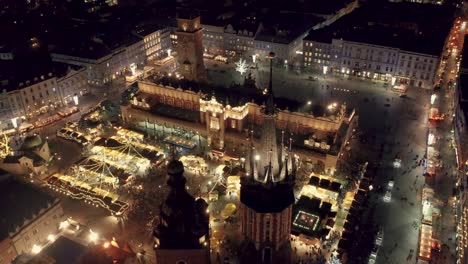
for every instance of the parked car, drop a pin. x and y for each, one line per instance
(379, 237)
(388, 194)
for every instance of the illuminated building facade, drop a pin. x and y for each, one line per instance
(360, 45)
(371, 61)
(45, 91)
(182, 235)
(190, 45)
(213, 39)
(316, 54)
(267, 193)
(30, 216)
(102, 64)
(317, 139)
(156, 41)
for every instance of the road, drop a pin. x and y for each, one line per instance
(444, 181)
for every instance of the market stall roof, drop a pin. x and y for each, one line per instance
(324, 183)
(335, 186)
(314, 180)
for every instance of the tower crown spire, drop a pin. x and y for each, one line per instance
(270, 108)
(267, 162)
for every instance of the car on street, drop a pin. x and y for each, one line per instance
(373, 255)
(379, 237)
(388, 194)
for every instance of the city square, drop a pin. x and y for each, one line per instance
(203, 132)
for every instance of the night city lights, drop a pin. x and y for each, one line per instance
(234, 131)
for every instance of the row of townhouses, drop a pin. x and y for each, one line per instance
(366, 45)
(44, 92)
(104, 64)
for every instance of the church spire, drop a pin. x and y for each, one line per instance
(183, 219)
(270, 106)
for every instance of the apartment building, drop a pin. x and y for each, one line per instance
(365, 44)
(156, 41)
(40, 91)
(30, 217)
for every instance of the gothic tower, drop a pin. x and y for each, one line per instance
(182, 235)
(267, 193)
(189, 45)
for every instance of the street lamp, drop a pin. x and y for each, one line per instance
(64, 224)
(433, 98)
(257, 157)
(51, 237)
(75, 99)
(93, 237)
(36, 249)
(325, 69)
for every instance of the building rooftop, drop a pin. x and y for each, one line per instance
(19, 73)
(463, 91)
(146, 29)
(63, 250)
(285, 27)
(464, 60)
(21, 202)
(32, 142)
(236, 95)
(463, 87)
(408, 26)
(323, 7)
(323, 35)
(82, 48)
(266, 199)
(395, 38)
(308, 214)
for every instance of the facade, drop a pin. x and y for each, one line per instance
(71, 85)
(213, 40)
(104, 65)
(317, 55)
(190, 46)
(30, 216)
(285, 43)
(371, 61)
(363, 59)
(182, 235)
(156, 41)
(33, 157)
(239, 41)
(370, 42)
(417, 69)
(224, 123)
(41, 94)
